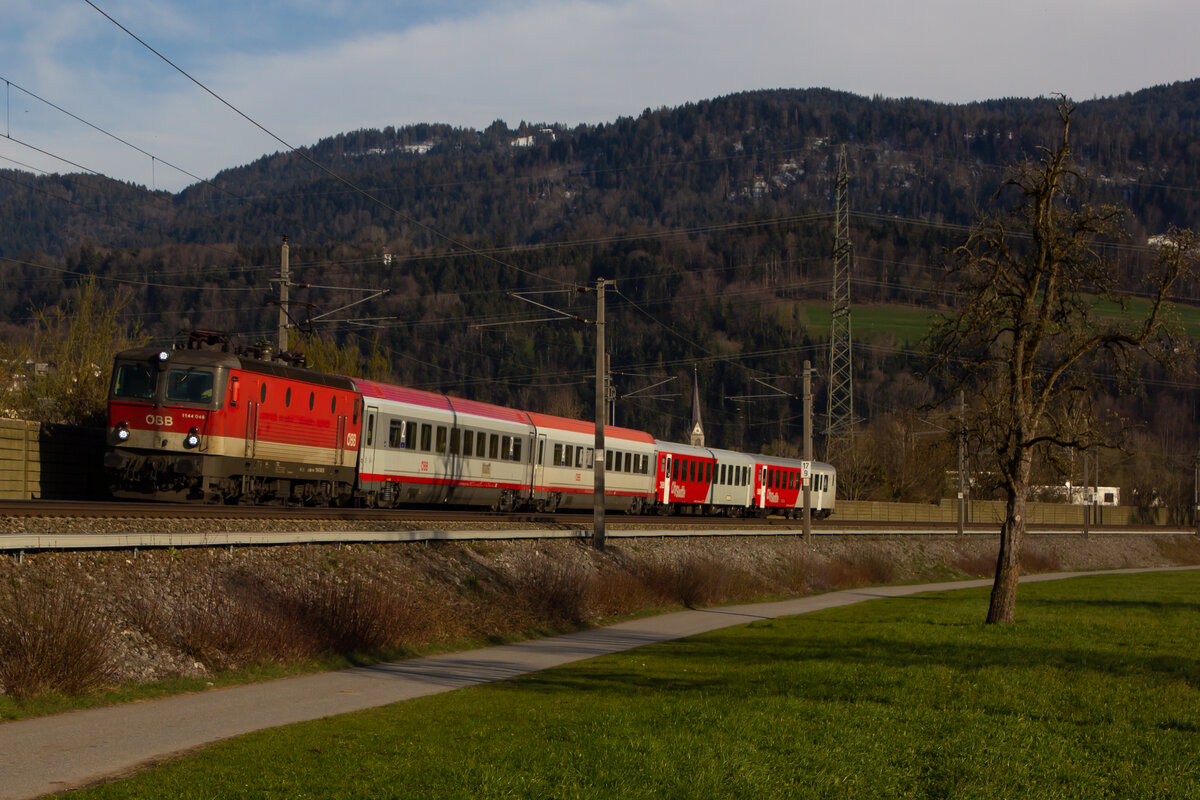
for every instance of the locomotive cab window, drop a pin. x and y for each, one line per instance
(190, 386)
(135, 381)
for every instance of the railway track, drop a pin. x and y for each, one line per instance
(108, 516)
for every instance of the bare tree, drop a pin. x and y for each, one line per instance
(75, 342)
(1042, 311)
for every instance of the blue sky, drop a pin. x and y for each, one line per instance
(312, 68)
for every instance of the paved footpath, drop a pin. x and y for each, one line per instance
(53, 754)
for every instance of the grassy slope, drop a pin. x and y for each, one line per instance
(907, 325)
(1094, 693)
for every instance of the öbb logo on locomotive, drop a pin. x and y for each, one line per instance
(268, 432)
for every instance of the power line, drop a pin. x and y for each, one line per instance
(347, 182)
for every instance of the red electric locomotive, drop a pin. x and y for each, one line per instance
(212, 425)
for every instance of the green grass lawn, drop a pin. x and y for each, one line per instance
(1095, 692)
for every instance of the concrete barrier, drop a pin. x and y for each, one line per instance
(41, 461)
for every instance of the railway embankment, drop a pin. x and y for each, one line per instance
(77, 622)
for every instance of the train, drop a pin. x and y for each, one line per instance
(209, 422)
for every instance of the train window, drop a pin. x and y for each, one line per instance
(608, 459)
(333, 404)
(134, 380)
(426, 437)
(494, 446)
(590, 460)
(645, 464)
(312, 400)
(628, 462)
(356, 410)
(480, 444)
(370, 429)
(396, 433)
(675, 467)
(516, 449)
(262, 395)
(558, 454)
(579, 457)
(455, 441)
(441, 439)
(541, 451)
(287, 397)
(506, 448)
(410, 434)
(190, 385)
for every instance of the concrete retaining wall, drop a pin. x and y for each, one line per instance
(40, 461)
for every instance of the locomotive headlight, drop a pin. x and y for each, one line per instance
(193, 437)
(122, 431)
(163, 355)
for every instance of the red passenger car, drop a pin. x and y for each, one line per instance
(684, 476)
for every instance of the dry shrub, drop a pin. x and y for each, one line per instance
(228, 619)
(53, 638)
(980, 565)
(551, 591)
(1183, 550)
(354, 614)
(702, 580)
(794, 571)
(223, 621)
(844, 572)
(622, 592)
(694, 580)
(1034, 561)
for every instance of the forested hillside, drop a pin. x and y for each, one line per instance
(715, 219)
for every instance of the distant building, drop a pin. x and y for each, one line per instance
(1079, 495)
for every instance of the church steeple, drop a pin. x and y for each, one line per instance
(697, 437)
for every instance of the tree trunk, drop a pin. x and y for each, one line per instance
(1003, 606)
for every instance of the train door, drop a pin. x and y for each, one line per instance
(537, 444)
(252, 406)
(339, 453)
(666, 479)
(539, 465)
(762, 487)
(366, 453)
